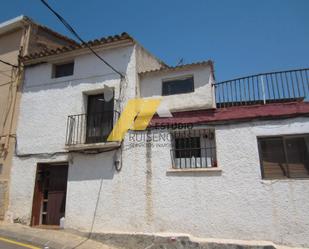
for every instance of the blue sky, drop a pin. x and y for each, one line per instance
(243, 37)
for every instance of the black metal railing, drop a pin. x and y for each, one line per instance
(90, 128)
(194, 158)
(283, 86)
(193, 149)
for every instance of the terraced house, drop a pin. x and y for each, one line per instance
(18, 37)
(225, 160)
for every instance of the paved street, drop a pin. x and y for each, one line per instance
(36, 238)
(13, 244)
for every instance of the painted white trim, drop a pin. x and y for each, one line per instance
(197, 170)
(12, 24)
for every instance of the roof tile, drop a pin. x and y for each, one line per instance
(109, 39)
(185, 66)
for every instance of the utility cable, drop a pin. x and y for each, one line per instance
(8, 63)
(70, 28)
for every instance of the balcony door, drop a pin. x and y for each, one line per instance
(100, 115)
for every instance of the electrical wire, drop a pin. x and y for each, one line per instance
(7, 83)
(8, 63)
(70, 28)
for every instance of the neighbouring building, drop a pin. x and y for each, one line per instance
(230, 162)
(18, 37)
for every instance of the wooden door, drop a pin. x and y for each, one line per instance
(49, 194)
(56, 195)
(37, 198)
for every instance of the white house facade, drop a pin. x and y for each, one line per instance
(222, 166)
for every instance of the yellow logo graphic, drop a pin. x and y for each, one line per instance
(136, 116)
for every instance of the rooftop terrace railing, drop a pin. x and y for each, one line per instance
(273, 87)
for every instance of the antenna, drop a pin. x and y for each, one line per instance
(180, 62)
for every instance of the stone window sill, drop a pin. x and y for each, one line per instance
(213, 169)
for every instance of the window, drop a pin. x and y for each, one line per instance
(284, 157)
(178, 86)
(194, 149)
(188, 147)
(62, 70)
(100, 118)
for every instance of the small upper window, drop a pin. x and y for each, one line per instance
(284, 156)
(178, 86)
(62, 70)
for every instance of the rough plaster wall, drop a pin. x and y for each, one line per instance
(46, 102)
(233, 204)
(45, 105)
(9, 48)
(274, 210)
(143, 196)
(121, 205)
(22, 185)
(146, 61)
(151, 86)
(41, 39)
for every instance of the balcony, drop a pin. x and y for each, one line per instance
(274, 87)
(89, 132)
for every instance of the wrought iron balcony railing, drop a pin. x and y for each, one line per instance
(90, 128)
(283, 86)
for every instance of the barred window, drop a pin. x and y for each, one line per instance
(284, 156)
(194, 149)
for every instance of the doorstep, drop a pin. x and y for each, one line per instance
(48, 227)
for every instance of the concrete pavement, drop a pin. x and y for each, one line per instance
(40, 238)
(36, 238)
(13, 244)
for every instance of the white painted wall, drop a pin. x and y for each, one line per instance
(201, 98)
(45, 105)
(144, 197)
(235, 204)
(146, 61)
(22, 185)
(46, 102)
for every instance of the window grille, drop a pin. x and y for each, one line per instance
(194, 148)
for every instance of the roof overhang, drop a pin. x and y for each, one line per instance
(168, 69)
(235, 114)
(65, 55)
(71, 51)
(12, 24)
